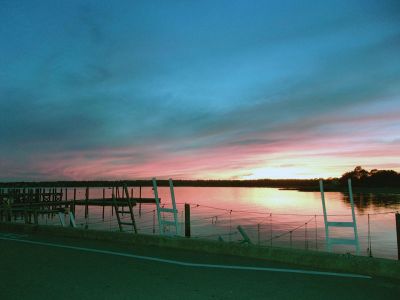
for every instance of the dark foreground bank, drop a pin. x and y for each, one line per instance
(47, 262)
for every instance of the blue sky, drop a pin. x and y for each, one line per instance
(198, 89)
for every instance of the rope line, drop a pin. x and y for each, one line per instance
(195, 205)
(292, 230)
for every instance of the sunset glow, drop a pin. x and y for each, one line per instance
(199, 90)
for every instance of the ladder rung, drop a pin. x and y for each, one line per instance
(126, 223)
(171, 210)
(337, 241)
(167, 222)
(341, 224)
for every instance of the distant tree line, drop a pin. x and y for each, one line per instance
(279, 183)
(359, 177)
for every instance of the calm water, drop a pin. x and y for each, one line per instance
(267, 215)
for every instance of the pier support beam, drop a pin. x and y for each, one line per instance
(187, 220)
(398, 234)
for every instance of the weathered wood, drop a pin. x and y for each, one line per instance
(35, 217)
(108, 201)
(115, 205)
(104, 196)
(130, 208)
(398, 234)
(154, 221)
(73, 204)
(187, 220)
(87, 203)
(140, 203)
(32, 203)
(26, 216)
(113, 195)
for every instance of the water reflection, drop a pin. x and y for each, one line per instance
(271, 217)
(365, 202)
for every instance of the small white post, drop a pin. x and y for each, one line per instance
(72, 219)
(246, 238)
(61, 216)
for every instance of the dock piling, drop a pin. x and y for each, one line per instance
(86, 203)
(35, 217)
(73, 210)
(187, 220)
(398, 234)
(154, 221)
(140, 204)
(86, 207)
(104, 191)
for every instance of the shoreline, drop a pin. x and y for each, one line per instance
(307, 185)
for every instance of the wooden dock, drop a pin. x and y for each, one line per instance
(29, 203)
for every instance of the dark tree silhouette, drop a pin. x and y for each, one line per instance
(374, 178)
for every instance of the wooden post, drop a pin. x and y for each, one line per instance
(86, 203)
(51, 198)
(25, 216)
(140, 204)
(17, 196)
(104, 195)
(187, 220)
(398, 234)
(154, 221)
(73, 204)
(35, 217)
(9, 214)
(112, 209)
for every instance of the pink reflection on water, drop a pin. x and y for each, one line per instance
(264, 213)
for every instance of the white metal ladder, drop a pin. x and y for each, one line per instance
(161, 221)
(340, 241)
(61, 216)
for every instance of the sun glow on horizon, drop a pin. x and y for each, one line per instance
(203, 92)
(287, 172)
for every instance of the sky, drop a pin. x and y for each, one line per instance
(198, 89)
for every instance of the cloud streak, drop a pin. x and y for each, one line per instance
(128, 91)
